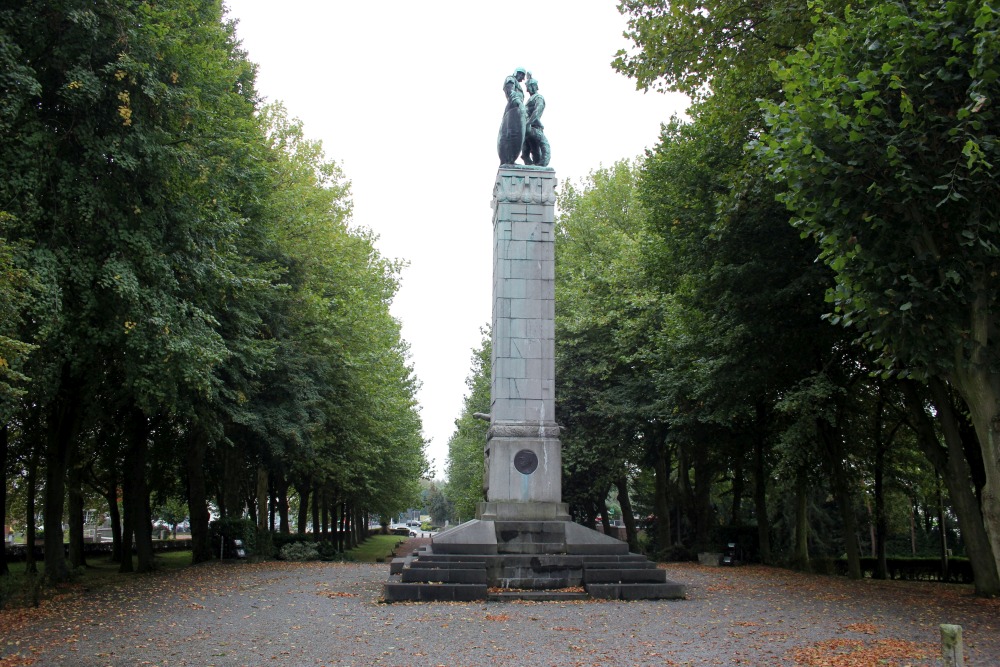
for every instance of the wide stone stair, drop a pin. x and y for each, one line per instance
(532, 560)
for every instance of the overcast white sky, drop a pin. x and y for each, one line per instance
(407, 97)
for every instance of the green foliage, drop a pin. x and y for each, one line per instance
(438, 505)
(180, 278)
(228, 528)
(606, 322)
(173, 510)
(299, 551)
(885, 140)
(915, 255)
(466, 459)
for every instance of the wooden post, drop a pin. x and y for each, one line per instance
(951, 645)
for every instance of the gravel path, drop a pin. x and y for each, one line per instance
(235, 614)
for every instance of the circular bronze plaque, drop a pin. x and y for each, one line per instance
(525, 461)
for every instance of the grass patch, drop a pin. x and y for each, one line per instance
(375, 549)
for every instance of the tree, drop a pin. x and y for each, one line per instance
(606, 323)
(466, 447)
(885, 142)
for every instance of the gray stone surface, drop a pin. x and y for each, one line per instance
(523, 378)
(471, 537)
(526, 511)
(235, 614)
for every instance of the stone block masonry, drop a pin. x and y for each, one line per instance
(523, 377)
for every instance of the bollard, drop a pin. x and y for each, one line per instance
(951, 645)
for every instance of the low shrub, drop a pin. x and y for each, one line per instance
(299, 551)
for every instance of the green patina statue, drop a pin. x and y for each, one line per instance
(510, 140)
(536, 146)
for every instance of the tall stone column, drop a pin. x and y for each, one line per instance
(523, 478)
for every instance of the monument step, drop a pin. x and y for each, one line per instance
(611, 576)
(444, 575)
(537, 596)
(621, 564)
(620, 560)
(536, 583)
(422, 592)
(539, 548)
(637, 591)
(429, 563)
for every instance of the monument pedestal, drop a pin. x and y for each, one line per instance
(504, 510)
(522, 537)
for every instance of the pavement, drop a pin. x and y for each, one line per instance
(232, 614)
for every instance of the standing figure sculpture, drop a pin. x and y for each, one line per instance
(536, 146)
(510, 140)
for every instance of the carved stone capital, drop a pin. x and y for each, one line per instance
(526, 186)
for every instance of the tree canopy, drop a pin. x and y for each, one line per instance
(182, 288)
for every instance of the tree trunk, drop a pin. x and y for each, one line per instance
(704, 476)
(197, 495)
(272, 504)
(75, 509)
(128, 535)
(303, 491)
(315, 512)
(110, 494)
(346, 512)
(661, 478)
(29, 511)
(136, 492)
(800, 553)
(60, 432)
(262, 487)
(951, 464)
(602, 510)
(281, 503)
(324, 516)
(232, 471)
(976, 381)
(265, 516)
(739, 482)
(631, 534)
(4, 440)
(943, 529)
(881, 521)
(760, 476)
(835, 459)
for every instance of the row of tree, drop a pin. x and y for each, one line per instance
(184, 306)
(709, 364)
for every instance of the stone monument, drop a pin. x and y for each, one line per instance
(522, 543)
(523, 473)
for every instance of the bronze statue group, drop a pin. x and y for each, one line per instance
(521, 131)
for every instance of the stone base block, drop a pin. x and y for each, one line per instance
(471, 537)
(399, 592)
(444, 575)
(665, 591)
(541, 458)
(523, 554)
(518, 511)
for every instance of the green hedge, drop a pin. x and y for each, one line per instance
(904, 569)
(234, 529)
